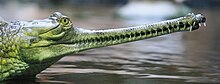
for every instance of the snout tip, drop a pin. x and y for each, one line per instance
(201, 18)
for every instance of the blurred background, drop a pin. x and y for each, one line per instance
(183, 58)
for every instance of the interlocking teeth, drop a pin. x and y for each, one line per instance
(200, 24)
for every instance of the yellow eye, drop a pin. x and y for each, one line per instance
(65, 21)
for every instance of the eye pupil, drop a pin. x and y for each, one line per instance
(64, 20)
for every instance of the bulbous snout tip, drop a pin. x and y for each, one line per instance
(201, 18)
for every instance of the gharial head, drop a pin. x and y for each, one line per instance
(58, 29)
(55, 36)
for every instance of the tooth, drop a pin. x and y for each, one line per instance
(190, 29)
(204, 24)
(168, 29)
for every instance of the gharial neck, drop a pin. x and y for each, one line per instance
(87, 39)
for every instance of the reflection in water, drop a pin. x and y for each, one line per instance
(176, 58)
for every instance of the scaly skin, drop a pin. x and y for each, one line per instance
(27, 48)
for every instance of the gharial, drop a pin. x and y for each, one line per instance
(29, 47)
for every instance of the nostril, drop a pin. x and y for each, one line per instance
(203, 19)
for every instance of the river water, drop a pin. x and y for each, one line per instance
(178, 58)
